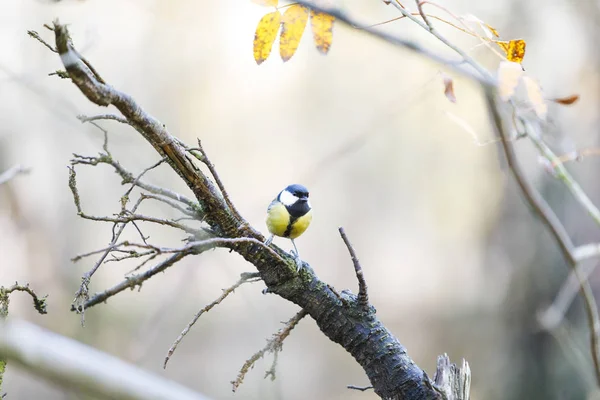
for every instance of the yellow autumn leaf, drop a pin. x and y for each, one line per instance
(509, 75)
(536, 98)
(292, 27)
(322, 29)
(272, 3)
(265, 35)
(515, 49)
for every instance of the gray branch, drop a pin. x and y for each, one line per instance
(73, 365)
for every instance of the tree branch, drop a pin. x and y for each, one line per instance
(12, 172)
(549, 218)
(39, 303)
(363, 297)
(73, 365)
(393, 374)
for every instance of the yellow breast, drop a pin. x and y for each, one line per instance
(300, 225)
(278, 219)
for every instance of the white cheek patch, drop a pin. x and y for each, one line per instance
(287, 198)
(309, 205)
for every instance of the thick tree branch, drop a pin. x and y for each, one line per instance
(73, 365)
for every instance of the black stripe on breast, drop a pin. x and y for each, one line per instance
(296, 210)
(288, 230)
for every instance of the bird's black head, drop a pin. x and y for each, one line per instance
(299, 191)
(295, 199)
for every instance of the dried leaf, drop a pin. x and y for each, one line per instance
(515, 49)
(265, 35)
(566, 101)
(270, 3)
(536, 98)
(292, 27)
(449, 88)
(322, 29)
(509, 74)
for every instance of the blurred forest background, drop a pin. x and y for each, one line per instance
(455, 260)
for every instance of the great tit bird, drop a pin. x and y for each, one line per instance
(288, 216)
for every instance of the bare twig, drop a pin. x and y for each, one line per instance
(359, 388)
(191, 215)
(130, 282)
(111, 117)
(37, 37)
(363, 296)
(560, 172)
(203, 157)
(274, 345)
(81, 296)
(39, 303)
(244, 278)
(12, 172)
(197, 247)
(423, 15)
(554, 315)
(586, 251)
(129, 178)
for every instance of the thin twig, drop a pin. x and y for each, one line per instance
(554, 315)
(129, 178)
(244, 278)
(191, 215)
(360, 388)
(587, 251)
(12, 172)
(561, 172)
(111, 117)
(423, 15)
(81, 296)
(196, 247)
(129, 282)
(274, 345)
(37, 37)
(203, 157)
(363, 296)
(39, 303)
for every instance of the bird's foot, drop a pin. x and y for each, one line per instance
(298, 260)
(269, 240)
